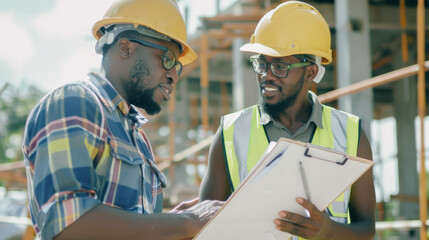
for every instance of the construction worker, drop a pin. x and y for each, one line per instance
(90, 167)
(291, 42)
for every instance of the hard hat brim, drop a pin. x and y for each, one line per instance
(187, 56)
(262, 49)
(268, 51)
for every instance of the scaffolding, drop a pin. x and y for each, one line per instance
(242, 26)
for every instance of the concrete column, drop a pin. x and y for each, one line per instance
(405, 103)
(405, 112)
(244, 83)
(353, 56)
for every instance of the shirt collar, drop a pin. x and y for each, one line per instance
(316, 113)
(112, 100)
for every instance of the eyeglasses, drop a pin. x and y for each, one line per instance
(279, 69)
(168, 58)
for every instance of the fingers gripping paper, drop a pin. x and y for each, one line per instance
(274, 184)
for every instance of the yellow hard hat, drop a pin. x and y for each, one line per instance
(291, 28)
(163, 16)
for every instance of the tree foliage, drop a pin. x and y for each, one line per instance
(15, 105)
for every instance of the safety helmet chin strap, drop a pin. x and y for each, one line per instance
(321, 70)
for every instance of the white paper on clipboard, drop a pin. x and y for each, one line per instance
(274, 184)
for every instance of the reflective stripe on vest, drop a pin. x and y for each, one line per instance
(243, 148)
(236, 135)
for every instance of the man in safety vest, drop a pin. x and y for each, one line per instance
(90, 167)
(290, 43)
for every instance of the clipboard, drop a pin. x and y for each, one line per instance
(275, 182)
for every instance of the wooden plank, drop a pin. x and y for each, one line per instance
(204, 80)
(249, 27)
(421, 101)
(390, 225)
(12, 166)
(16, 220)
(182, 156)
(172, 134)
(406, 198)
(234, 18)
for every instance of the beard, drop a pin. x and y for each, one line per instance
(275, 109)
(146, 101)
(137, 91)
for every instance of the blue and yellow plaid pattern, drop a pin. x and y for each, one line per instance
(84, 145)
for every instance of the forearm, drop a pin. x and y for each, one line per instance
(215, 184)
(104, 222)
(357, 231)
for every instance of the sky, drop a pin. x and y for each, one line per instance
(49, 42)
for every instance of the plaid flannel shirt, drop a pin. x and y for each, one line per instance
(84, 145)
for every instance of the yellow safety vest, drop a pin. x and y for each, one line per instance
(244, 148)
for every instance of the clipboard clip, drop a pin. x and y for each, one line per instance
(307, 149)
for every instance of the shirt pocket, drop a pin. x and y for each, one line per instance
(125, 151)
(123, 187)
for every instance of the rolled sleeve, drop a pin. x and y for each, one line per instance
(62, 140)
(57, 215)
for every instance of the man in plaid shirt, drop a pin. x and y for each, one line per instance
(90, 167)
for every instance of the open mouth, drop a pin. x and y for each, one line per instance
(165, 92)
(268, 89)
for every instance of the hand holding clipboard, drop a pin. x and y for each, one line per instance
(289, 170)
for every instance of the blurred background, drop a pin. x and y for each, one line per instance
(379, 49)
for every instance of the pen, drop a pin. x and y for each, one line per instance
(304, 181)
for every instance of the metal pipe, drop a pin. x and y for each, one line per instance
(372, 82)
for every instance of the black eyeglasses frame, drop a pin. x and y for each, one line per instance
(270, 66)
(177, 64)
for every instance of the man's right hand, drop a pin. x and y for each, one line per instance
(199, 211)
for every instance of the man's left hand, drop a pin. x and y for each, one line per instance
(316, 226)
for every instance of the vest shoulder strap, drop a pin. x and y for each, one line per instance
(244, 141)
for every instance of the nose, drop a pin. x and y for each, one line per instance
(268, 74)
(172, 75)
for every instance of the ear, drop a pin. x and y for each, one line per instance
(311, 72)
(124, 48)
